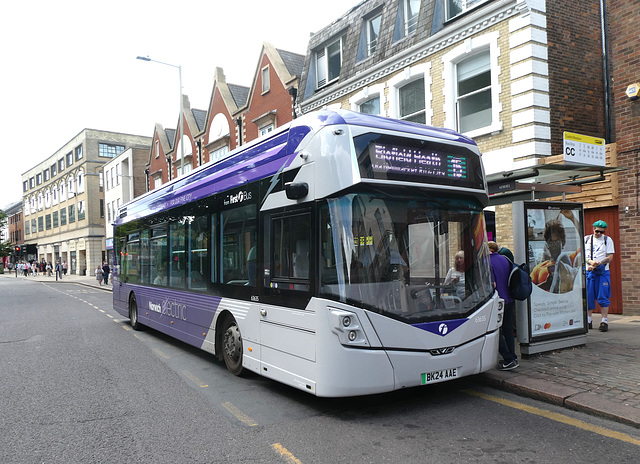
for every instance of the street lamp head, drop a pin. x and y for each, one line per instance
(143, 58)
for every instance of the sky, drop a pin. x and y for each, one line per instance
(68, 65)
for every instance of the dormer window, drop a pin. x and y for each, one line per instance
(457, 7)
(373, 33)
(328, 63)
(407, 19)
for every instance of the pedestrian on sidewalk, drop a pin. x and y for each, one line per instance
(500, 270)
(598, 251)
(49, 269)
(59, 270)
(106, 271)
(65, 266)
(99, 274)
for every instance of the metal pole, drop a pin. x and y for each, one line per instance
(181, 123)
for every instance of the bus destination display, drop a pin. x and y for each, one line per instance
(393, 159)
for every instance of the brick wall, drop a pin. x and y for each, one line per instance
(276, 99)
(625, 58)
(575, 69)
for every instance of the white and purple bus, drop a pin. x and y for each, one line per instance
(321, 255)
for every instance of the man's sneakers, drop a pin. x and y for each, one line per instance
(507, 366)
(603, 327)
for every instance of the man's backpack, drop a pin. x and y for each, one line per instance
(519, 283)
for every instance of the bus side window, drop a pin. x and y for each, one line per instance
(198, 252)
(239, 227)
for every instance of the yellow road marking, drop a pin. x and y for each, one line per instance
(558, 418)
(242, 417)
(282, 451)
(160, 353)
(195, 379)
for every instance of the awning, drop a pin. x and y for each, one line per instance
(550, 178)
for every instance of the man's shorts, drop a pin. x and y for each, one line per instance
(598, 289)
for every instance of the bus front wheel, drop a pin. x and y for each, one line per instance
(232, 346)
(133, 314)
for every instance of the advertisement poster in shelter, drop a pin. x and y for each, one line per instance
(556, 263)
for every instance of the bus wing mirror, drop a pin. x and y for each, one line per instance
(296, 190)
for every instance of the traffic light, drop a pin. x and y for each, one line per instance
(17, 248)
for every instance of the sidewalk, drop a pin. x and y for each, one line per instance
(89, 281)
(601, 378)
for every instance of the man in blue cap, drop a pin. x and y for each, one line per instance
(598, 253)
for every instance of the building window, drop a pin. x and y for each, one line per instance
(47, 175)
(266, 85)
(40, 224)
(455, 7)
(118, 173)
(32, 182)
(266, 129)
(63, 217)
(101, 208)
(328, 63)
(78, 152)
(55, 219)
(81, 210)
(473, 96)
(106, 150)
(54, 170)
(34, 227)
(63, 191)
(61, 165)
(80, 181)
(47, 198)
(407, 19)
(69, 158)
(38, 179)
(412, 101)
(371, 106)
(71, 190)
(40, 202)
(219, 154)
(471, 76)
(25, 186)
(47, 220)
(72, 213)
(373, 32)
(157, 149)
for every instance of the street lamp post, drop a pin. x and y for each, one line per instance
(181, 123)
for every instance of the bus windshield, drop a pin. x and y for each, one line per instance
(415, 259)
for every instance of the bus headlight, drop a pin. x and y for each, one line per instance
(347, 327)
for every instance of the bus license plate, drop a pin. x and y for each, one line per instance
(439, 376)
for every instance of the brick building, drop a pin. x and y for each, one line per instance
(625, 58)
(236, 115)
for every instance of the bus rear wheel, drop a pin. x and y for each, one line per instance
(133, 314)
(232, 346)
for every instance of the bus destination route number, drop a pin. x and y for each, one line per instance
(415, 161)
(439, 376)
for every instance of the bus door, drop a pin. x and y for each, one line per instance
(287, 327)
